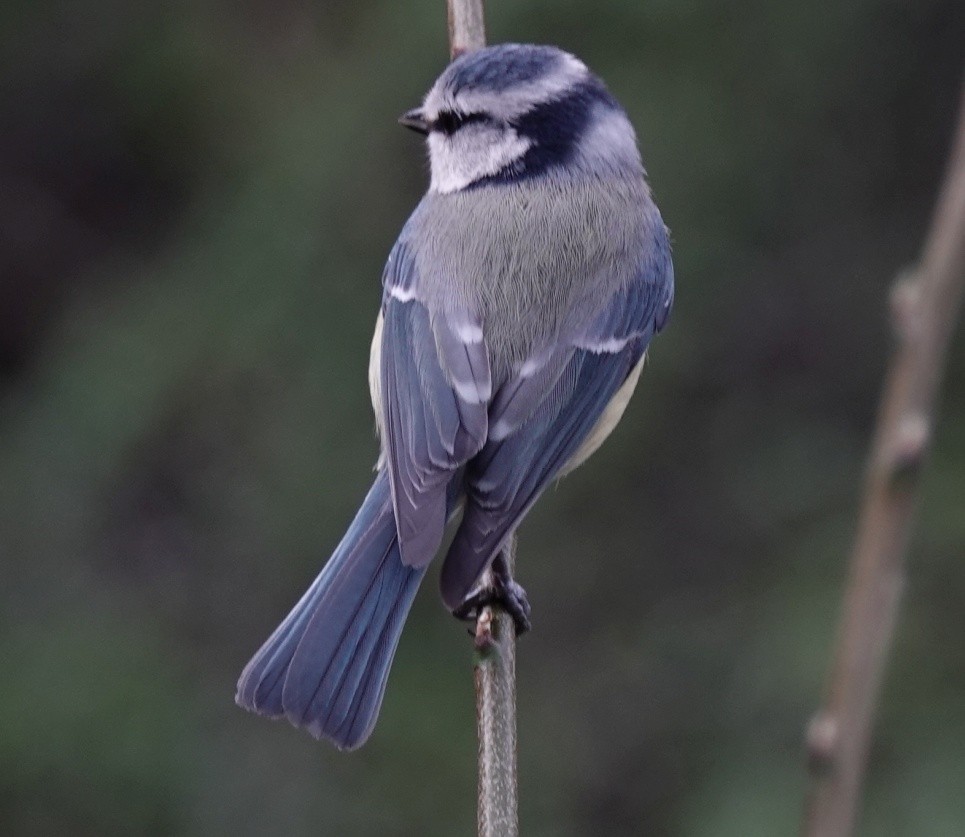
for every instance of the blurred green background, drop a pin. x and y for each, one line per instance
(196, 199)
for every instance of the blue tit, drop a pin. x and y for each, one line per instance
(517, 307)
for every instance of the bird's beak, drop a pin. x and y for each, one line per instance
(415, 120)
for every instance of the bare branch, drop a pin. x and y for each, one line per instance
(924, 309)
(467, 26)
(495, 676)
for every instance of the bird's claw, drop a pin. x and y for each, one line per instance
(504, 591)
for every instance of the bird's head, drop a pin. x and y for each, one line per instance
(515, 111)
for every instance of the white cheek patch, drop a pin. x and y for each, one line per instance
(470, 154)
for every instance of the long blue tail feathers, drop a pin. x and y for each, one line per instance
(325, 667)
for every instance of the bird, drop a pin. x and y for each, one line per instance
(517, 307)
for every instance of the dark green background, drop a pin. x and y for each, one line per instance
(195, 205)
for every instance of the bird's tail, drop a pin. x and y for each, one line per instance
(325, 667)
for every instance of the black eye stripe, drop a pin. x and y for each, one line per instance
(450, 121)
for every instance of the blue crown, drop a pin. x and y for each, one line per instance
(501, 67)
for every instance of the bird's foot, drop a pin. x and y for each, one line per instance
(504, 591)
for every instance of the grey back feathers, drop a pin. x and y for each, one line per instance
(583, 241)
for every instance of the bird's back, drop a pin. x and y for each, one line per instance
(532, 260)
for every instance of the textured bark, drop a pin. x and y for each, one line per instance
(924, 309)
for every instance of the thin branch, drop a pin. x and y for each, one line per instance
(495, 676)
(924, 309)
(495, 638)
(467, 26)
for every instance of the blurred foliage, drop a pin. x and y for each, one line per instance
(195, 203)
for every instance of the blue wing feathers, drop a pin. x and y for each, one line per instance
(430, 430)
(520, 399)
(414, 396)
(508, 477)
(539, 421)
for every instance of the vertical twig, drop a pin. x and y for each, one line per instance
(495, 676)
(495, 640)
(924, 309)
(467, 26)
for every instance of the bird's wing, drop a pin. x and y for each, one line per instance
(435, 389)
(540, 417)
